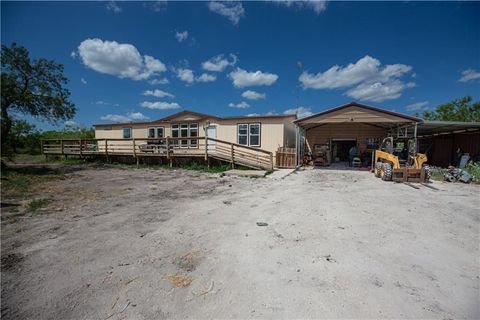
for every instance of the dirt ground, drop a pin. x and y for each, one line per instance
(154, 244)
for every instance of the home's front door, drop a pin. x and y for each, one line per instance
(212, 133)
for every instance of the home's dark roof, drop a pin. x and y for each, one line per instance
(184, 112)
(200, 115)
(355, 104)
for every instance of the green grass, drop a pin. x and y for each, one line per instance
(19, 183)
(204, 168)
(473, 169)
(436, 175)
(36, 204)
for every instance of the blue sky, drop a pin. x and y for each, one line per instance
(145, 60)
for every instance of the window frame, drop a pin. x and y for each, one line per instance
(123, 132)
(259, 134)
(248, 134)
(186, 141)
(155, 132)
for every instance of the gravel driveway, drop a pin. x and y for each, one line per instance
(153, 244)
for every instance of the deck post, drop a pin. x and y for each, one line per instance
(168, 148)
(232, 156)
(134, 151)
(106, 149)
(206, 148)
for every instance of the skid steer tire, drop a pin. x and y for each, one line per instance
(428, 172)
(378, 169)
(387, 172)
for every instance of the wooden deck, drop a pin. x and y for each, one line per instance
(168, 148)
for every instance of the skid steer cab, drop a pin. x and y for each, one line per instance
(398, 161)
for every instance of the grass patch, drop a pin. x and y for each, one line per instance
(18, 184)
(204, 168)
(473, 169)
(437, 174)
(36, 204)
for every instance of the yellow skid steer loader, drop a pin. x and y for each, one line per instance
(389, 167)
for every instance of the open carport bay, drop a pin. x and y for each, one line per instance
(178, 244)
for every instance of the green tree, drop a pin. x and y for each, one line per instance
(32, 87)
(463, 109)
(21, 134)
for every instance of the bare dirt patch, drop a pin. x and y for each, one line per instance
(141, 243)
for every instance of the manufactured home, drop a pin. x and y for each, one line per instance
(248, 139)
(274, 140)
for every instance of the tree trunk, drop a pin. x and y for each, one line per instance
(6, 124)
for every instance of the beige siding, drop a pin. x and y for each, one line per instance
(358, 131)
(354, 114)
(274, 132)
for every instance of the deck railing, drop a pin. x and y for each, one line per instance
(168, 147)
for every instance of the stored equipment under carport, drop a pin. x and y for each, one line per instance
(389, 167)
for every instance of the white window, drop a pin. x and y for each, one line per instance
(243, 134)
(254, 134)
(175, 133)
(156, 132)
(193, 132)
(127, 133)
(248, 134)
(185, 130)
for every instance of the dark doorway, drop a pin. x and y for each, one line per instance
(341, 148)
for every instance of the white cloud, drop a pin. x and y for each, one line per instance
(115, 118)
(300, 111)
(156, 6)
(113, 6)
(159, 81)
(469, 75)
(137, 116)
(242, 78)
(104, 103)
(83, 81)
(232, 10)
(378, 91)
(219, 63)
(181, 36)
(253, 115)
(157, 93)
(71, 123)
(367, 79)
(253, 95)
(186, 75)
(417, 106)
(160, 105)
(205, 77)
(241, 105)
(118, 59)
(317, 5)
(73, 54)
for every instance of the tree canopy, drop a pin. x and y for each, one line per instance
(32, 87)
(463, 109)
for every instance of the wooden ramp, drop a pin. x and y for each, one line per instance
(169, 148)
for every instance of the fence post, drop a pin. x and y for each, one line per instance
(232, 156)
(61, 144)
(80, 147)
(271, 161)
(106, 148)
